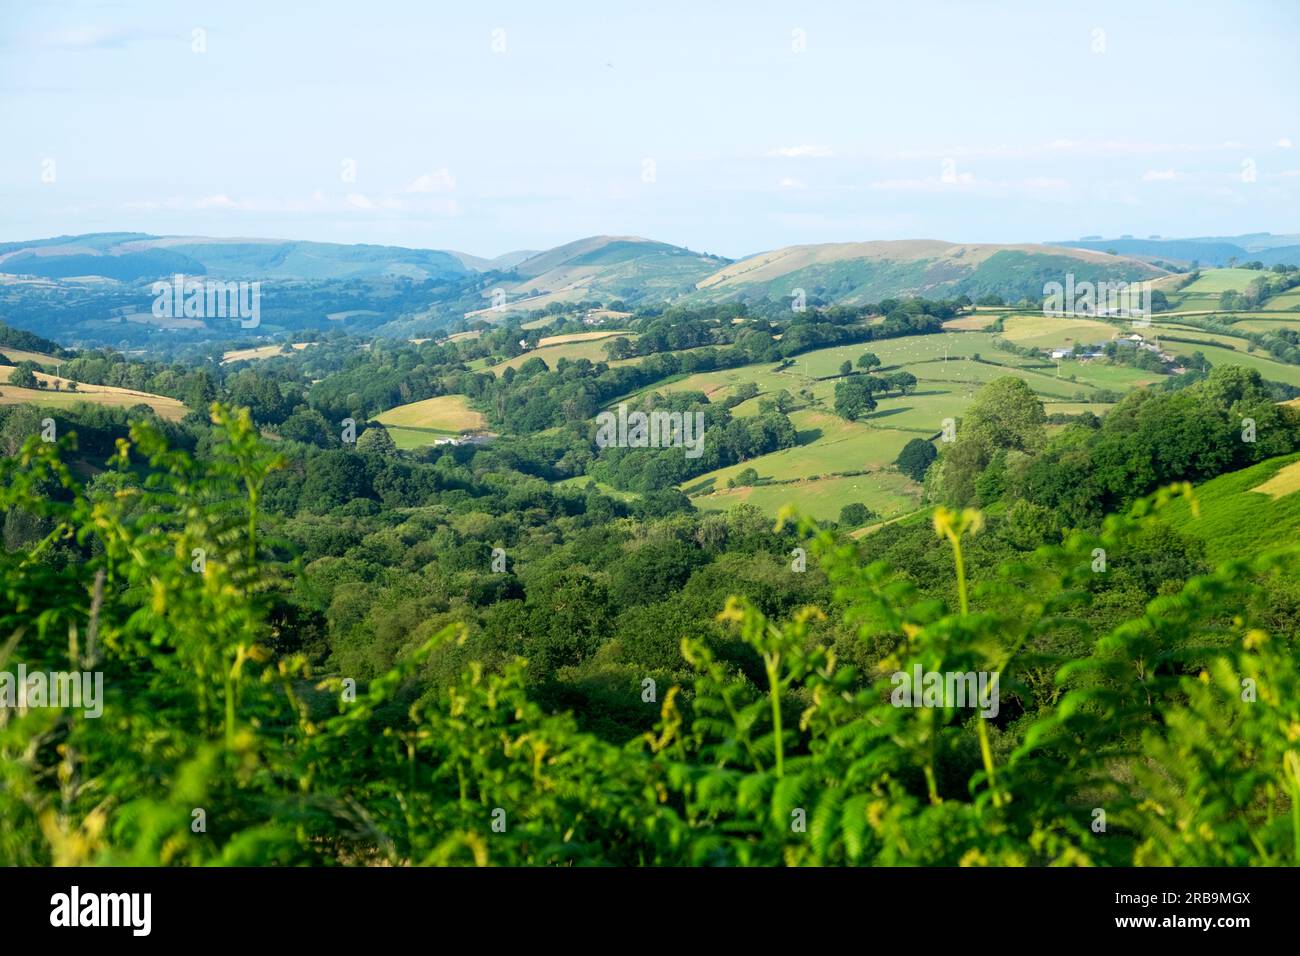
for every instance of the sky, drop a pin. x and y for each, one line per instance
(726, 127)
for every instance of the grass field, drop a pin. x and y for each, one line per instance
(581, 337)
(1048, 332)
(1269, 369)
(261, 352)
(1284, 482)
(1166, 334)
(420, 423)
(573, 349)
(168, 408)
(1215, 281)
(20, 355)
(970, 323)
(1076, 408)
(1204, 292)
(900, 351)
(1290, 299)
(889, 494)
(1245, 511)
(829, 445)
(717, 385)
(582, 481)
(812, 474)
(1271, 324)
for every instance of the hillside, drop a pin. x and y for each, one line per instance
(1207, 251)
(858, 272)
(1251, 509)
(130, 257)
(607, 268)
(503, 263)
(56, 394)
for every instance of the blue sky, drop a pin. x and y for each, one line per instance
(487, 127)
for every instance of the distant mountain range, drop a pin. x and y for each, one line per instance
(629, 268)
(858, 272)
(131, 257)
(1206, 251)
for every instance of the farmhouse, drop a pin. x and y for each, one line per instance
(1136, 341)
(1081, 352)
(476, 439)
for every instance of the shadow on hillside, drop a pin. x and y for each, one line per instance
(886, 413)
(704, 487)
(808, 436)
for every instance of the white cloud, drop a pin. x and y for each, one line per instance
(437, 181)
(1284, 143)
(798, 152)
(359, 201)
(1159, 176)
(788, 183)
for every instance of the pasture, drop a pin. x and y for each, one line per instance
(418, 424)
(573, 349)
(1255, 508)
(1049, 332)
(889, 494)
(260, 352)
(108, 395)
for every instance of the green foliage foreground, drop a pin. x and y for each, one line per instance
(1182, 725)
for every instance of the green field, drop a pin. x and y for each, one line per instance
(1215, 281)
(889, 494)
(1290, 299)
(1076, 408)
(582, 481)
(1203, 294)
(1271, 370)
(591, 348)
(830, 446)
(814, 472)
(901, 351)
(420, 423)
(1048, 332)
(107, 395)
(19, 355)
(1235, 518)
(1271, 324)
(1166, 335)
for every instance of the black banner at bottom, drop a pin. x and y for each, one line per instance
(143, 906)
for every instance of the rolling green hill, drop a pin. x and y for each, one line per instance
(607, 268)
(1245, 511)
(837, 462)
(859, 272)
